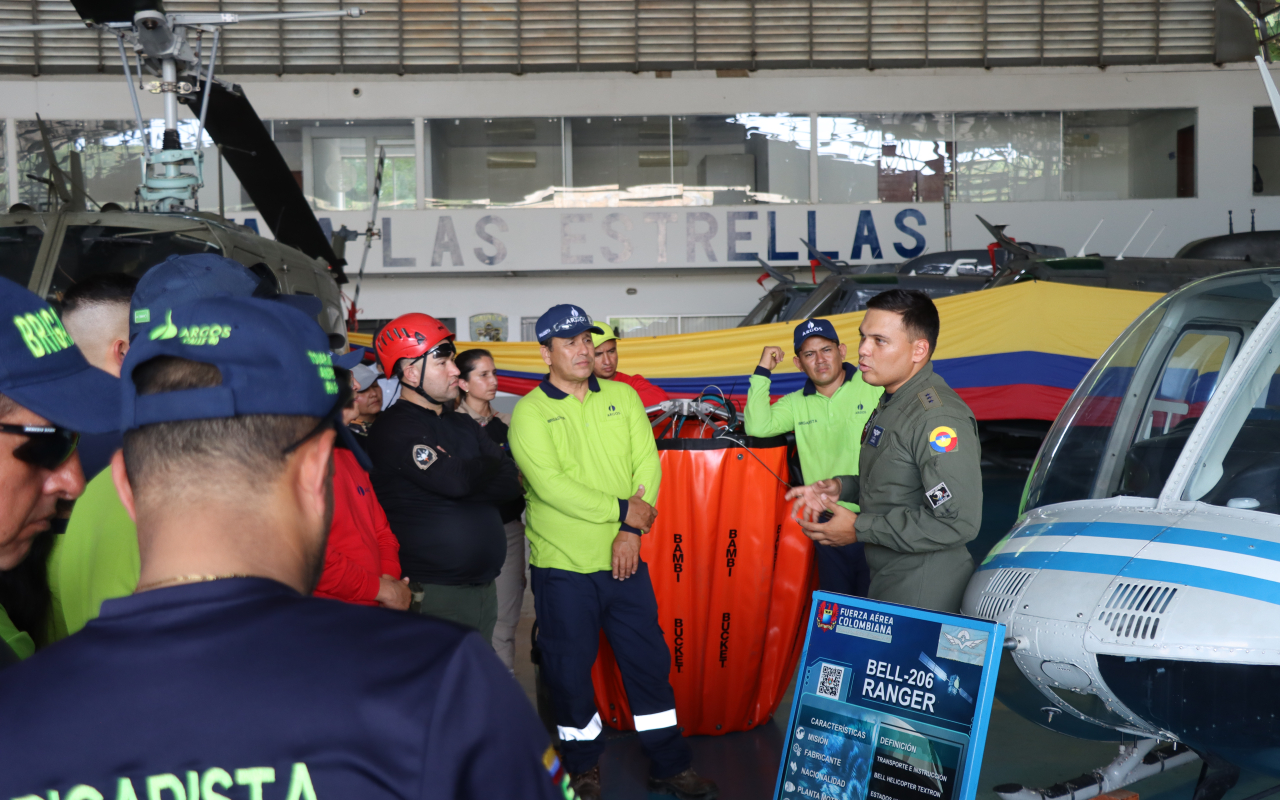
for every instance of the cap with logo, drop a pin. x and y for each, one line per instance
(43, 371)
(608, 335)
(181, 279)
(815, 327)
(564, 322)
(273, 360)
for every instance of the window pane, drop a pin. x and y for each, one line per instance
(89, 250)
(19, 246)
(110, 154)
(710, 322)
(637, 327)
(495, 161)
(882, 157)
(1004, 156)
(1266, 152)
(399, 178)
(339, 179)
(1121, 155)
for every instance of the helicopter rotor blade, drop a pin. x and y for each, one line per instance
(249, 150)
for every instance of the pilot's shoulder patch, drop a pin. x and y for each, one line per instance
(424, 456)
(938, 495)
(930, 398)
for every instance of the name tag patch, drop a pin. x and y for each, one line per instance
(938, 495)
(424, 456)
(873, 439)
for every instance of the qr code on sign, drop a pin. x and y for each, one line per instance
(830, 680)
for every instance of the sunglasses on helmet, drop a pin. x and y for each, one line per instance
(47, 446)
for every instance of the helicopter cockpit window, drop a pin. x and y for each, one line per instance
(1241, 463)
(1072, 454)
(1187, 381)
(19, 246)
(96, 249)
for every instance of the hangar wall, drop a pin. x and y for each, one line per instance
(705, 265)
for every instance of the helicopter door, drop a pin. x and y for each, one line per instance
(1200, 356)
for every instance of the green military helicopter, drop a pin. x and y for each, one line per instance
(50, 247)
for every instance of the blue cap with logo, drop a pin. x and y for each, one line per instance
(815, 327)
(181, 279)
(273, 360)
(564, 322)
(43, 371)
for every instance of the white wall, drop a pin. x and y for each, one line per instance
(1223, 96)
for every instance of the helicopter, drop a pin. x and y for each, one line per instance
(48, 247)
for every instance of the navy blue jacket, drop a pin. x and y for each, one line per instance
(243, 688)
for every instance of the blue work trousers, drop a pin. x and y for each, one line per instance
(843, 570)
(572, 608)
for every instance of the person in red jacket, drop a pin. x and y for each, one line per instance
(362, 558)
(606, 367)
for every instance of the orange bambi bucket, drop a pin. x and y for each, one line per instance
(733, 575)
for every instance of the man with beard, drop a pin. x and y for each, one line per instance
(440, 478)
(220, 676)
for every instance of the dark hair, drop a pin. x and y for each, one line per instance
(919, 314)
(346, 394)
(200, 451)
(468, 360)
(114, 287)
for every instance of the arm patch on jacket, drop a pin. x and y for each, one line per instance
(424, 456)
(938, 495)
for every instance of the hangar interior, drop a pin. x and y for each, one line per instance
(641, 158)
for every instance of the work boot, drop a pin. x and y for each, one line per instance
(687, 785)
(586, 785)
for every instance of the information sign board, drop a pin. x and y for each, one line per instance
(892, 703)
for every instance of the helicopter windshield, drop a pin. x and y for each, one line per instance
(19, 246)
(1241, 463)
(99, 249)
(1125, 426)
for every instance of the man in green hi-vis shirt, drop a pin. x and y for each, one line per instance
(827, 415)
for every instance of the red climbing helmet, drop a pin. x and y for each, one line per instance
(408, 336)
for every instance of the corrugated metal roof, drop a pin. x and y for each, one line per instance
(560, 35)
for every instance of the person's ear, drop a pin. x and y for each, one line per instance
(796, 360)
(843, 350)
(120, 477)
(919, 351)
(119, 349)
(546, 354)
(312, 475)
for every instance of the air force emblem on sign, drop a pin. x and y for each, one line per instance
(943, 439)
(423, 456)
(938, 495)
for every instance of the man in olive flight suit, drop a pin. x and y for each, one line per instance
(920, 480)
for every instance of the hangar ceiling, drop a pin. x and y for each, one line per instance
(406, 36)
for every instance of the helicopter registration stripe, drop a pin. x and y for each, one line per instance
(1074, 544)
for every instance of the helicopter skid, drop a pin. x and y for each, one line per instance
(1134, 762)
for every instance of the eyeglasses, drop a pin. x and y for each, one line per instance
(445, 349)
(47, 446)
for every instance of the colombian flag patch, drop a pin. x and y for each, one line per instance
(943, 439)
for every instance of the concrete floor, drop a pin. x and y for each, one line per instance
(1017, 751)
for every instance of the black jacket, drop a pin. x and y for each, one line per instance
(441, 479)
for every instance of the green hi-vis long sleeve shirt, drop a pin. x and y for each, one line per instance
(581, 461)
(828, 430)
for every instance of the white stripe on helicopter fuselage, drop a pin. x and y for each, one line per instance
(1232, 564)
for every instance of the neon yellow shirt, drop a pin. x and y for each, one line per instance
(18, 641)
(95, 560)
(580, 462)
(828, 430)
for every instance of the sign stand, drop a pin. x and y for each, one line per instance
(892, 703)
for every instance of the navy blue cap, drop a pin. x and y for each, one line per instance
(815, 327)
(273, 359)
(43, 371)
(181, 279)
(350, 360)
(564, 322)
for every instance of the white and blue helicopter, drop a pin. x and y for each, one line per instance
(1140, 586)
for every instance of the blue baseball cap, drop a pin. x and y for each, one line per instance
(564, 322)
(273, 359)
(815, 327)
(350, 360)
(181, 279)
(44, 372)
